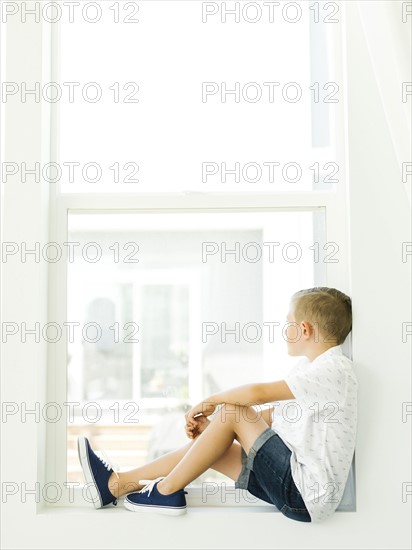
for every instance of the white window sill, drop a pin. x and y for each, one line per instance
(119, 509)
(226, 499)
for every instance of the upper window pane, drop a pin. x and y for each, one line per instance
(179, 99)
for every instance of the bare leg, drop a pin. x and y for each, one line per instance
(229, 464)
(233, 421)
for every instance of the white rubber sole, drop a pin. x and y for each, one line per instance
(87, 472)
(154, 509)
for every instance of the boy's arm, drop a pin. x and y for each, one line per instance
(253, 394)
(249, 394)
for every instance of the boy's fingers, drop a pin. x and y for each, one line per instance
(192, 424)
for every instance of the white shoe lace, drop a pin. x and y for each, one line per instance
(150, 483)
(109, 464)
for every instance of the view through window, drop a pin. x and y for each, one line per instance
(170, 308)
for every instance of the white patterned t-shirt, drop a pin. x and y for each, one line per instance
(319, 427)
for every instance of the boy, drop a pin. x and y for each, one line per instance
(297, 458)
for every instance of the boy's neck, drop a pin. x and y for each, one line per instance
(318, 349)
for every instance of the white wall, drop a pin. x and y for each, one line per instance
(379, 219)
(381, 295)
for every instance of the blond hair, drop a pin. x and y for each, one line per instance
(327, 307)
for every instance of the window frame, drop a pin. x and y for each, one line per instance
(187, 203)
(334, 203)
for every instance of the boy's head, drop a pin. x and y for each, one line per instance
(324, 319)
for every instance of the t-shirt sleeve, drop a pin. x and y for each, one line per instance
(320, 384)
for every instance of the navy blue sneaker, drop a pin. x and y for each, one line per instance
(149, 499)
(97, 473)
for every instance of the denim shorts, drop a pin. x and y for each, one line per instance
(266, 474)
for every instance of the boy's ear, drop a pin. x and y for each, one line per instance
(307, 328)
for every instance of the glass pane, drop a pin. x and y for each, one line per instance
(165, 344)
(182, 101)
(101, 369)
(169, 308)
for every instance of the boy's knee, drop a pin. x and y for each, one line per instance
(236, 413)
(229, 413)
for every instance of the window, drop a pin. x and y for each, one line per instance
(159, 319)
(195, 211)
(249, 110)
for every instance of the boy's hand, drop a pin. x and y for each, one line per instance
(196, 426)
(205, 408)
(196, 421)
